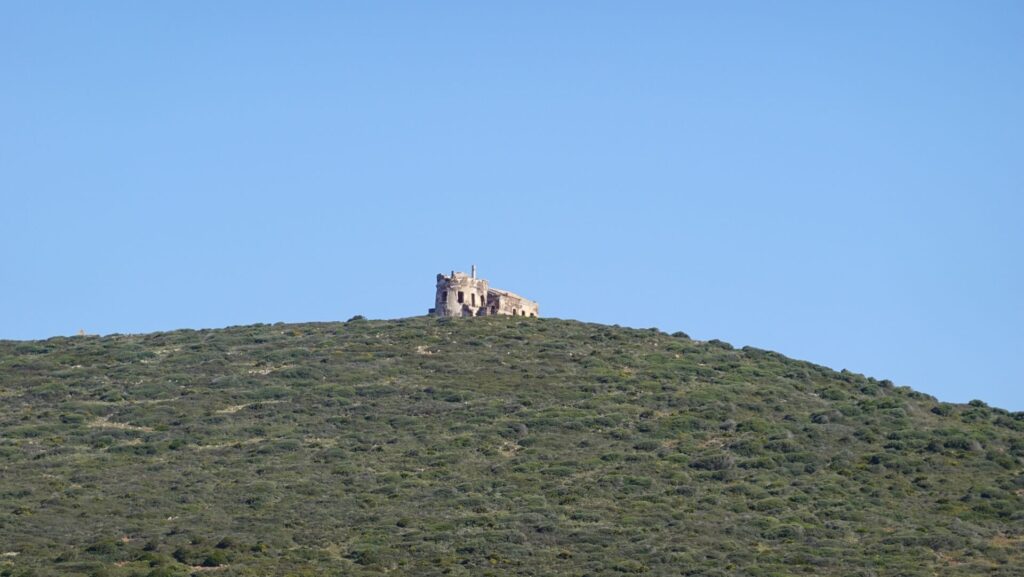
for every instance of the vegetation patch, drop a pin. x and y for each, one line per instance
(487, 446)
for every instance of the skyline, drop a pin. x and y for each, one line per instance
(841, 184)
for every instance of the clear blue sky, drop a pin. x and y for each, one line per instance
(842, 182)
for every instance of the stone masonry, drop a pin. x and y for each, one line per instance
(465, 295)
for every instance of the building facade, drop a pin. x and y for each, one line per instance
(465, 295)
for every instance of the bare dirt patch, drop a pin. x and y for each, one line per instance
(235, 408)
(106, 423)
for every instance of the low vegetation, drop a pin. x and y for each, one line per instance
(487, 446)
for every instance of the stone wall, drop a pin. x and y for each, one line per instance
(501, 302)
(460, 295)
(465, 295)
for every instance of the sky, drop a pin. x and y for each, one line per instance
(842, 182)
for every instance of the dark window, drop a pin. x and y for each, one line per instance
(462, 297)
(513, 312)
(444, 295)
(472, 299)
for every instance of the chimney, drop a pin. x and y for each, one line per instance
(473, 268)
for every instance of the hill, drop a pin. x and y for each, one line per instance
(487, 446)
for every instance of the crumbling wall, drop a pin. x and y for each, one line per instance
(501, 302)
(465, 295)
(460, 295)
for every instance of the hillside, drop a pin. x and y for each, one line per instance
(487, 446)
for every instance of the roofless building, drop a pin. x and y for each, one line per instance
(465, 295)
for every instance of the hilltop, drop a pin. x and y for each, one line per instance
(487, 446)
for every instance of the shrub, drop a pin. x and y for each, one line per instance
(168, 571)
(714, 462)
(647, 446)
(783, 532)
(215, 558)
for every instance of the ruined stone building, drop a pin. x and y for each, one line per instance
(464, 295)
